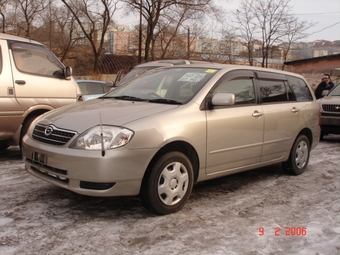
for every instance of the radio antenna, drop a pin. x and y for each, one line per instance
(101, 133)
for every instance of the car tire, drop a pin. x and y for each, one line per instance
(299, 156)
(3, 146)
(168, 183)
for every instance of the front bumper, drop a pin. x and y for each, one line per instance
(118, 173)
(330, 124)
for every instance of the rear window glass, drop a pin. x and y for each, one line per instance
(300, 89)
(273, 91)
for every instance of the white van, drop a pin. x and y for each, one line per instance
(32, 81)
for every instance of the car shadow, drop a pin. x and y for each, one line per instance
(117, 207)
(12, 153)
(331, 139)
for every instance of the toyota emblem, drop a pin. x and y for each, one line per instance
(48, 131)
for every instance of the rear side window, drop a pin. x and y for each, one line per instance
(272, 91)
(95, 88)
(300, 89)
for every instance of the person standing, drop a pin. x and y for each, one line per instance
(325, 84)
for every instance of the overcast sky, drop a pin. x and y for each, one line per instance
(326, 13)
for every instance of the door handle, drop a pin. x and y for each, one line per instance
(257, 114)
(20, 82)
(294, 110)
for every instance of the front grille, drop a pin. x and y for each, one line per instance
(52, 135)
(331, 107)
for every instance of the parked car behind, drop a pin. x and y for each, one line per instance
(157, 135)
(32, 82)
(92, 89)
(330, 112)
(142, 68)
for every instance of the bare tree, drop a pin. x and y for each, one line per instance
(173, 31)
(61, 31)
(93, 18)
(152, 10)
(29, 10)
(3, 4)
(265, 21)
(294, 32)
(228, 43)
(244, 18)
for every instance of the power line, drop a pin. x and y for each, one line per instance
(316, 13)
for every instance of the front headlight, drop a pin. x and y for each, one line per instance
(102, 137)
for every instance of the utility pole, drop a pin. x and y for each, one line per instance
(140, 33)
(188, 50)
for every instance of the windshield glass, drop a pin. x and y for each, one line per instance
(135, 72)
(335, 91)
(174, 84)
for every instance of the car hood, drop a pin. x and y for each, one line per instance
(81, 116)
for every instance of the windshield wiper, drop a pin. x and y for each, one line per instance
(164, 101)
(127, 98)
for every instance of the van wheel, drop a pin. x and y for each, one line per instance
(3, 145)
(299, 156)
(25, 127)
(168, 184)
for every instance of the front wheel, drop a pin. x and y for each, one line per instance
(299, 156)
(168, 184)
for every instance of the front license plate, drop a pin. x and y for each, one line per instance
(39, 157)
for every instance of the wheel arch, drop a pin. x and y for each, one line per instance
(307, 132)
(180, 146)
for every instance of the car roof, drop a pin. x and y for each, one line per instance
(96, 81)
(17, 38)
(169, 62)
(230, 67)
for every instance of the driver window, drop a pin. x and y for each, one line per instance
(35, 60)
(241, 87)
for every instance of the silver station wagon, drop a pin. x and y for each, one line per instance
(160, 133)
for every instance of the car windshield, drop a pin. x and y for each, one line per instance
(335, 91)
(165, 85)
(135, 72)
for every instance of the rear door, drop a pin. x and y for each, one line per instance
(281, 115)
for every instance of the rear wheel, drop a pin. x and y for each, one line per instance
(168, 184)
(299, 156)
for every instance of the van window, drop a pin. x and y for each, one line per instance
(272, 91)
(300, 89)
(35, 59)
(241, 87)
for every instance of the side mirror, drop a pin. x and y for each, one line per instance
(108, 83)
(68, 72)
(223, 99)
(118, 77)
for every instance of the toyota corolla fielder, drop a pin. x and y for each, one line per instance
(160, 133)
